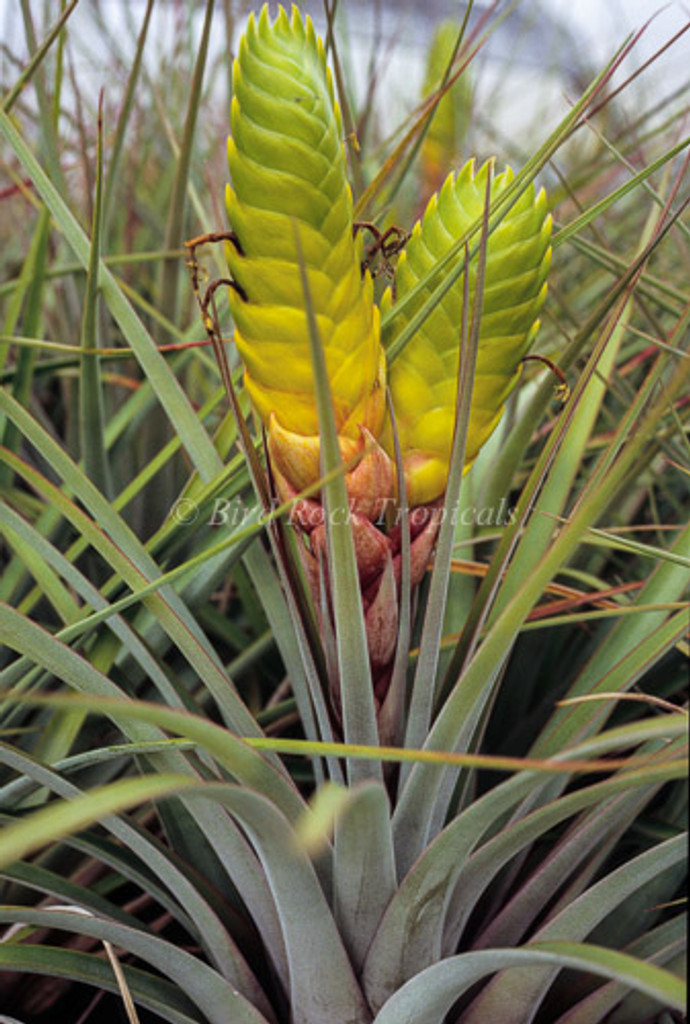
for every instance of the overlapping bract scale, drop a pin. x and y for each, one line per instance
(423, 379)
(288, 169)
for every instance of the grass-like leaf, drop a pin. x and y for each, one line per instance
(150, 991)
(435, 990)
(91, 414)
(356, 690)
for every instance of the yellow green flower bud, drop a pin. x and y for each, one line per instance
(288, 169)
(423, 379)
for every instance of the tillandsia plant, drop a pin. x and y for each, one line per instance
(291, 213)
(312, 731)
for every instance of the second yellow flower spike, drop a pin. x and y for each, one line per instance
(423, 379)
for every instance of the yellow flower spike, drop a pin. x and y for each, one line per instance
(423, 378)
(287, 164)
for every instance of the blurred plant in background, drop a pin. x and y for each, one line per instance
(445, 136)
(182, 828)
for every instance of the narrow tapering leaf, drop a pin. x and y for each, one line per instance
(432, 993)
(91, 411)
